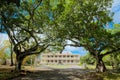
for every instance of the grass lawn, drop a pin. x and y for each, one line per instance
(30, 68)
(110, 76)
(59, 66)
(103, 76)
(93, 66)
(6, 74)
(107, 75)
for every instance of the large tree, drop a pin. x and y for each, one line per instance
(84, 24)
(30, 27)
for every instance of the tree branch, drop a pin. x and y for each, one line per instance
(110, 52)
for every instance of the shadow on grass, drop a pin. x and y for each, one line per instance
(60, 74)
(110, 76)
(57, 74)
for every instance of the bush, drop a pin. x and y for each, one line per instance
(88, 59)
(27, 60)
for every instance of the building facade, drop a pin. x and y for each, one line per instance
(60, 58)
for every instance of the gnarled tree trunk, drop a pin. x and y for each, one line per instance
(100, 66)
(11, 59)
(19, 61)
(11, 55)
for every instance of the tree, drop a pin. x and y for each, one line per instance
(84, 25)
(25, 40)
(30, 27)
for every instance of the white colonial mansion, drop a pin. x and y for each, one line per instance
(57, 58)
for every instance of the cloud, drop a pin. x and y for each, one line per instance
(75, 50)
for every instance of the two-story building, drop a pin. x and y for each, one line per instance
(58, 58)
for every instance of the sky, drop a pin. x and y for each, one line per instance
(80, 50)
(116, 10)
(75, 50)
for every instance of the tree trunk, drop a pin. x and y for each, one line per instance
(11, 60)
(19, 61)
(11, 56)
(100, 66)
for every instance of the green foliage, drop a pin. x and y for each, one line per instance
(115, 59)
(3, 53)
(29, 60)
(30, 24)
(87, 59)
(86, 30)
(107, 60)
(115, 30)
(110, 76)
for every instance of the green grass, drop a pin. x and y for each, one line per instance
(93, 67)
(110, 76)
(59, 66)
(7, 75)
(106, 75)
(102, 76)
(90, 66)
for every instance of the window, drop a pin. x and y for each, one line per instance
(48, 61)
(72, 61)
(56, 56)
(71, 56)
(56, 61)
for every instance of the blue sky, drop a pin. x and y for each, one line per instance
(75, 50)
(116, 10)
(80, 50)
